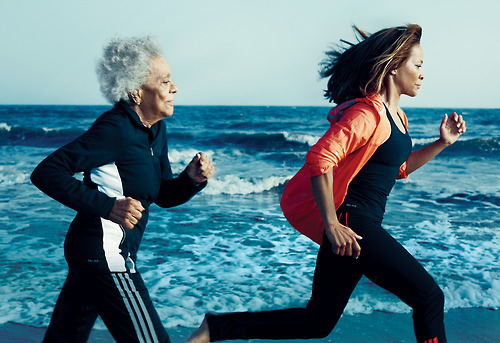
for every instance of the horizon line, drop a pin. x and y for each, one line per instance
(225, 105)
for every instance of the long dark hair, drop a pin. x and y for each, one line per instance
(359, 70)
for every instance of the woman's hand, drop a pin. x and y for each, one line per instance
(451, 128)
(344, 240)
(126, 212)
(200, 169)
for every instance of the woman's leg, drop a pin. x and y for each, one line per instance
(388, 264)
(122, 301)
(335, 278)
(124, 304)
(73, 315)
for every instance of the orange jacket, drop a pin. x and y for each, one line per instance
(357, 128)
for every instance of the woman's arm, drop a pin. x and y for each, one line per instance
(176, 191)
(344, 240)
(352, 131)
(451, 128)
(54, 175)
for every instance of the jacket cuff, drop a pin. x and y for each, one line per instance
(106, 207)
(190, 184)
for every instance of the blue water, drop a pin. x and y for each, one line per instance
(230, 248)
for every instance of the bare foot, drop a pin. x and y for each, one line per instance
(200, 335)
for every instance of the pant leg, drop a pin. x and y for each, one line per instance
(335, 278)
(124, 304)
(122, 301)
(388, 264)
(73, 316)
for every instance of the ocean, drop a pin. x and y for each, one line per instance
(230, 247)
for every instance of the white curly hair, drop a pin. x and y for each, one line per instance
(124, 66)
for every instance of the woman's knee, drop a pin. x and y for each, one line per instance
(431, 298)
(435, 295)
(438, 297)
(323, 315)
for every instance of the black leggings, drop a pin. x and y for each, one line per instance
(383, 260)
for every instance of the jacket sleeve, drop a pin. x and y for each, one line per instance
(55, 174)
(347, 135)
(178, 190)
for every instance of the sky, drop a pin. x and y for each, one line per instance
(243, 52)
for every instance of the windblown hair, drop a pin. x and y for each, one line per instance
(125, 65)
(360, 69)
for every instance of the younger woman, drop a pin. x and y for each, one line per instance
(338, 198)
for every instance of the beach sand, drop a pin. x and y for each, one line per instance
(463, 325)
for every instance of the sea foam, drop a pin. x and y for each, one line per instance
(234, 185)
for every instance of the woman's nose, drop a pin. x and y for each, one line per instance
(174, 88)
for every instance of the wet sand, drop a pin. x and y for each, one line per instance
(463, 325)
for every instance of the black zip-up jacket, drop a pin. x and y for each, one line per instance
(119, 157)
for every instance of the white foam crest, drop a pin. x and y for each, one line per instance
(430, 140)
(4, 126)
(423, 141)
(12, 176)
(234, 185)
(468, 294)
(185, 156)
(366, 304)
(301, 138)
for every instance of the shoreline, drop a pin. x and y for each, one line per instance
(463, 325)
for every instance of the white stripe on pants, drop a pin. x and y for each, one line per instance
(136, 308)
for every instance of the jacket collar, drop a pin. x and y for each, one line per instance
(375, 101)
(132, 114)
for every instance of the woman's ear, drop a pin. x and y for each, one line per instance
(394, 71)
(135, 96)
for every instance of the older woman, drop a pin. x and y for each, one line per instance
(124, 160)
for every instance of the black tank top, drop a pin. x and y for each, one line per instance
(368, 191)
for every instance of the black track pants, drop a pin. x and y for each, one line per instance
(122, 301)
(383, 260)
